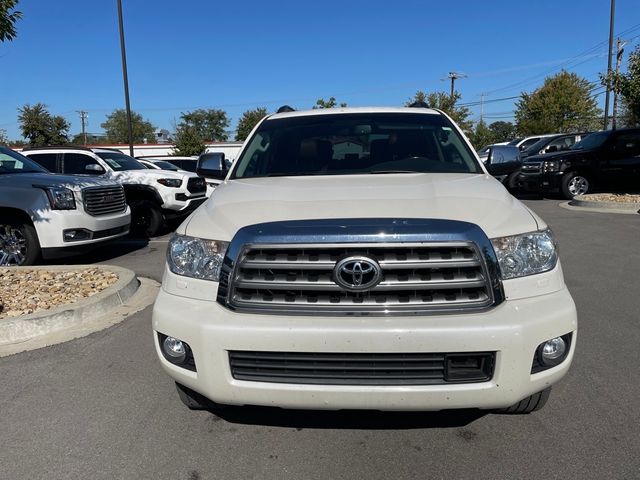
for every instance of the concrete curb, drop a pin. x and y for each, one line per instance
(26, 327)
(586, 206)
(633, 207)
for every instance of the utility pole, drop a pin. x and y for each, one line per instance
(453, 76)
(83, 119)
(606, 97)
(619, 51)
(482, 95)
(125, 77)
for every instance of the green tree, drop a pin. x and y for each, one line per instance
(627, 85)
(209, 124)
(331, 103)
(188, 141)
(4, 140)
(249, 119)
(563, 104)
(8, 18)
(117, 131)
(40, 127)
(481, 135)
(446, 103)
(502, 131)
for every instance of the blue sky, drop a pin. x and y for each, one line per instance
(239, 55)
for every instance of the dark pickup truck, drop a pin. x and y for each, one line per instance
(609, 159)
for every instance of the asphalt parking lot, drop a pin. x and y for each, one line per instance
(100, 407)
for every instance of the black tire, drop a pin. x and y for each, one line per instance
(194, 400)
(530, 404)
(511, 182)
(12, 231)
(146, 218)
(575, 183)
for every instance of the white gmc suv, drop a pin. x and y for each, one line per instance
(362, 258)
(46, 215)
(155, 196)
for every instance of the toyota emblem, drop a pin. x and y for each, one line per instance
(357, 274)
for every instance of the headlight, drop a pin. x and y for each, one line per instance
(60, 198)
(551, 166)
(196, 257)
(170, 182)
(526, 254)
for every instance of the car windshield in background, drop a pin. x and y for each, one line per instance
(355, 144)
(593, 140)
(536, 147)
(13, 162)
(165, 165)
(120, 162)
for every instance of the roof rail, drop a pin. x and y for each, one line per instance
(98, 147)
(285, 109)
(418, 104)
(49, 147)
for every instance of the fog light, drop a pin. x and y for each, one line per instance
(553, 349)
(175, 349)
(76, 235)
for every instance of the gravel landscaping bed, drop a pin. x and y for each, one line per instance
(610, 197)
(24, 291)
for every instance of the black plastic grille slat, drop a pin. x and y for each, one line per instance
(357, 368)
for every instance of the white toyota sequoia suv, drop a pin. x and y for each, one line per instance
(155, 196)
(363, 258)
(46, 215)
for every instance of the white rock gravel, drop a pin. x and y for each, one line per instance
(610, 197)
(24, 291)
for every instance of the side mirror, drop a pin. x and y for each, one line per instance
(552, 148)
(212, 165)
(502, 154)
(94, 169)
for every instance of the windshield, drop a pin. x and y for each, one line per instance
(536, 147)
(120, 162)
(355, 144)
(515, 141)
(594, 140)
(13, 162)
(165, 165)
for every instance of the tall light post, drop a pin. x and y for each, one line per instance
(125, 77)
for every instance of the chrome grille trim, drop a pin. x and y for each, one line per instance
(104, 200)
(443, 267)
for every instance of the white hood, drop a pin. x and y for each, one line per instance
(478, 199)
(72, 182)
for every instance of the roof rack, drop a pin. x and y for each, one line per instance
(98, 147)
(50, 147)
(285, 109)
(418, 104)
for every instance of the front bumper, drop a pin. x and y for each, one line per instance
(540, 182)
(513, 329)
(180, 208)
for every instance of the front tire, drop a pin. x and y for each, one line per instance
(19, 244)
(575, 183)
(530, 404)
(195, 401)
(146, 218)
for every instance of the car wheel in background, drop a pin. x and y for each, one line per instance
(146, 218)
(19, 244)
(575, 183)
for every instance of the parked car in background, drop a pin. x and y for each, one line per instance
(609, 159)
(46, 216)
(362, 258)
(553, 143)
(157, 164)
(504, 162)
(525, 142)
(155, 196)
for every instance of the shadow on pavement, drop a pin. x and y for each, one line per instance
(347, 419)
(102, 253)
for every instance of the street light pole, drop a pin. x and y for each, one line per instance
(606, 97)
(125, 77)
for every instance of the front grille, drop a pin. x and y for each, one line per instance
(104, 200)
(362, 368)
(415, 278)
(197, 185)
(531, 168)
